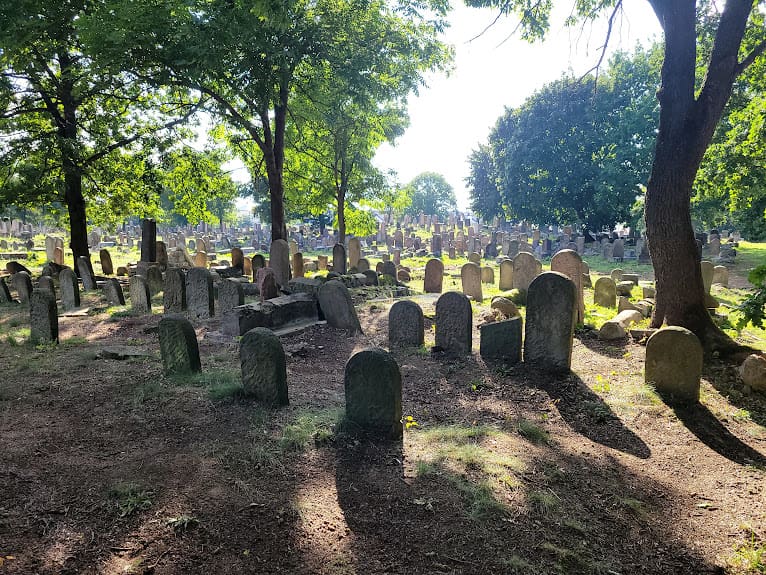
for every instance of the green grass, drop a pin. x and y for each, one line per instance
(543, 502)
(129, 498)
(532, 432)
(457, 433)
(225, 391)
(146, 392)
(750, 557)
(309, 428)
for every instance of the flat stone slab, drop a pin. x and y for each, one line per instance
(122, 352)
(273, 313)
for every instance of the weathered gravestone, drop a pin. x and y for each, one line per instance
(405, 324)
(322, 262)
(501, 341)
(106, 262)
(43, 317)
(487, 275)
(200, 302)
(618, 250)
(46, 282)
(230, 295)
(298, 265)
(453, 324)
(22, 283)
(58, 255)
(264, 368)
(605, 292)
(86, 273)
(279, 261)
(174, 291)
(470, 276)
(178, 345)
(569, 263)
(354, 252)
(674, 365)
(373, 389)
(339, 259)
(266, 282)
(154, 279)
(70, 289)
(506, 275)
(247, 267)
(550, 321)
(434, 276)
(363, 265)
(525, 269)
(721, 276)
(140, 296)
(113, 292)
(337, 307)
(258, 261)
(707, 269)
(238, 260)
(200, 260)
(5, 294)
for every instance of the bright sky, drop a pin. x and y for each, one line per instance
(454, 114)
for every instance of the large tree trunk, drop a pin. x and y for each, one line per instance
(277, 195)
(78, 221)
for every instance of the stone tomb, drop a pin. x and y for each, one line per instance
(525, 269)
(569, 263)
(230, 295)
(22, 283)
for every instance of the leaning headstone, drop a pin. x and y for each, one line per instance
(200, 303)
(605, 292)
(373, 390)
(405, 324)
(5, 294)
(140, 297)
(506, 275)
(178, 345)
(674, 365)
(337, 307)
(70, 289)
(339, 259)
(113, 292)
(22, 283)
(501, 341)
(106, 262)
(434, 276)
(354, 252)
(453, 324)
(264, 368)
(43, 317)
(230, 295)
(525, 269)
(569, 263)
(470, 276)
(279, 261)
(174, 291)
(161, 253)
(550, 321)
(86, 274)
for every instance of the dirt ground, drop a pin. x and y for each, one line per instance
(107, 466)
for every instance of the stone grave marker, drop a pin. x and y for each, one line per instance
(5, 294)
(43, 317)
(22, 283)
(258, 261)
(487, 275)
(434, 276)
(354, 252)
(339, 259)
(674, 365)
(264, 367)
(140, 297)
(501, 341)
(279, 261)
(470, 276)
(154, 279)
(46, 282)
(247, 267)
(707, 269)
(298, 265)
(363, 265)
(113, 292)
(405, 324)
(266, 281)
(618, 250)
(569, 263)
(200, 260)
(453, 324)
(605, 292)
(506, 274)
(550, 321)
(230, 295)
(174, 291)
(338, 308)
(70, 289)
(373, 390)
(322, 262)
(525, 269)
(721, 276)
(200, 303)
(58, 255)
(86, 274)
(238, 260)
(106, 262)
(148, 240)
(161, 251)
(178, 345)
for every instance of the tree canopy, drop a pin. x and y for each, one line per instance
(431, 194)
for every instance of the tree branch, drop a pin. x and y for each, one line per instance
(751, 57)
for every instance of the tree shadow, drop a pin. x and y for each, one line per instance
(613, 348)
(723, 377)
(586, 413)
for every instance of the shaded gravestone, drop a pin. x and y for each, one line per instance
(674, 365)
(174, 291)
(525, 269)
(339, 259)
(22, 283)
(70, 289)
(154, 279)
(161, 253)
(487, 275)
(434, 276)
(605, 292)
(200, 303)
(113, 292)
(721, 276)
(405, 324)
(43, 317)
(178, 345)
(140, 297)
(715, 247)
(550, 321)
(506, 275)
(373, 390)
(633, 278)
(388, 269)
(230, 295)
(106, 262)
(298, 265)
(338, 308)
(475, 258)
(247, 267)
(470, 276)
(616, 275)
(238, 260)
(5, 294)
(279, 261)
(569, 263)
(618, 250)
(266, 282)
(354, 252)
(453, 324)
(501, 341)
(707, 268)
(46, 282)
(86, 273)
(148, 240)
(264, 368)
(258, 261)
(322, 262)
(363, 265)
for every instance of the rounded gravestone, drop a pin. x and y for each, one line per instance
(339, 259)
(354, 252)
(338, 308)
(178, 345)
(506, 275)
(569, 263)
(264, 368)
(550, 321)
(405, 324)
(605, 292)
(373, 389)
(525, 269)
(470, 276)
(22, 283)
(140, 297)
(434, 276)
(453, 324)
(46, 282)
(674, 365)
(43, 317)
(113, 292)
(154, 279)
(487, 275)
(106, 262)
(70, 289)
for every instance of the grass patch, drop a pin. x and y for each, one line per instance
(225, 391)
(458, 434)
(532, 432)
(517, 564)
(130, 498)
(750, 557)
(543, 502)
(182, 523)
(147, 392)
(74, 340)
(309, 428)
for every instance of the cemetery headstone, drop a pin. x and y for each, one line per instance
(238, 260)
(298, 265)
(373, 390)
(154, 279)
(674, 365)
(339, 259)
(550, 321)
(174, 291)
(200, 303)
(46, 282)
(338, 308)
(707, 274)
(43, 317)
(501, 341)
(264, 367)
(506, 275)
(434, 276)
(148, 240)
(70, 289)
(405, 324)
(354, 252)
(22, 283)
(230, 295)
(487, 275)
(178, 345)
(140, 297)
(161, 251)
(721, 276)
(106, 262)
(113, 292)
(86, 273)
(569, 263)
(525, 269)
(470, 275)
(279, 261)
(605, 292)
(5, 293)
(453, 324)
(266, 281)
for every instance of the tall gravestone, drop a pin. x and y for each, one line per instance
(434, 276)
(373, 390)
(70, 289)
(264, 367)
(339, 259)
(22, 283)
(279, 261)
(230, 295)
(238, 260)
(113, 292)
(106, 262)
(298, 265)
(470, 276)
(178, 345)
(569, 263)
(707, 268)
(266, 282)
(140, 297)
(153, 276)
(148, 240)
(86, 273)
(673, 365)
(338, 308)
(5, 294)
(453, 324)
(506, 275)
(525, 269)
(405, 324)
(550, 321)
(200, 302)
(174, 291)
(43, 317)
(354, 252)
(161, 253)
